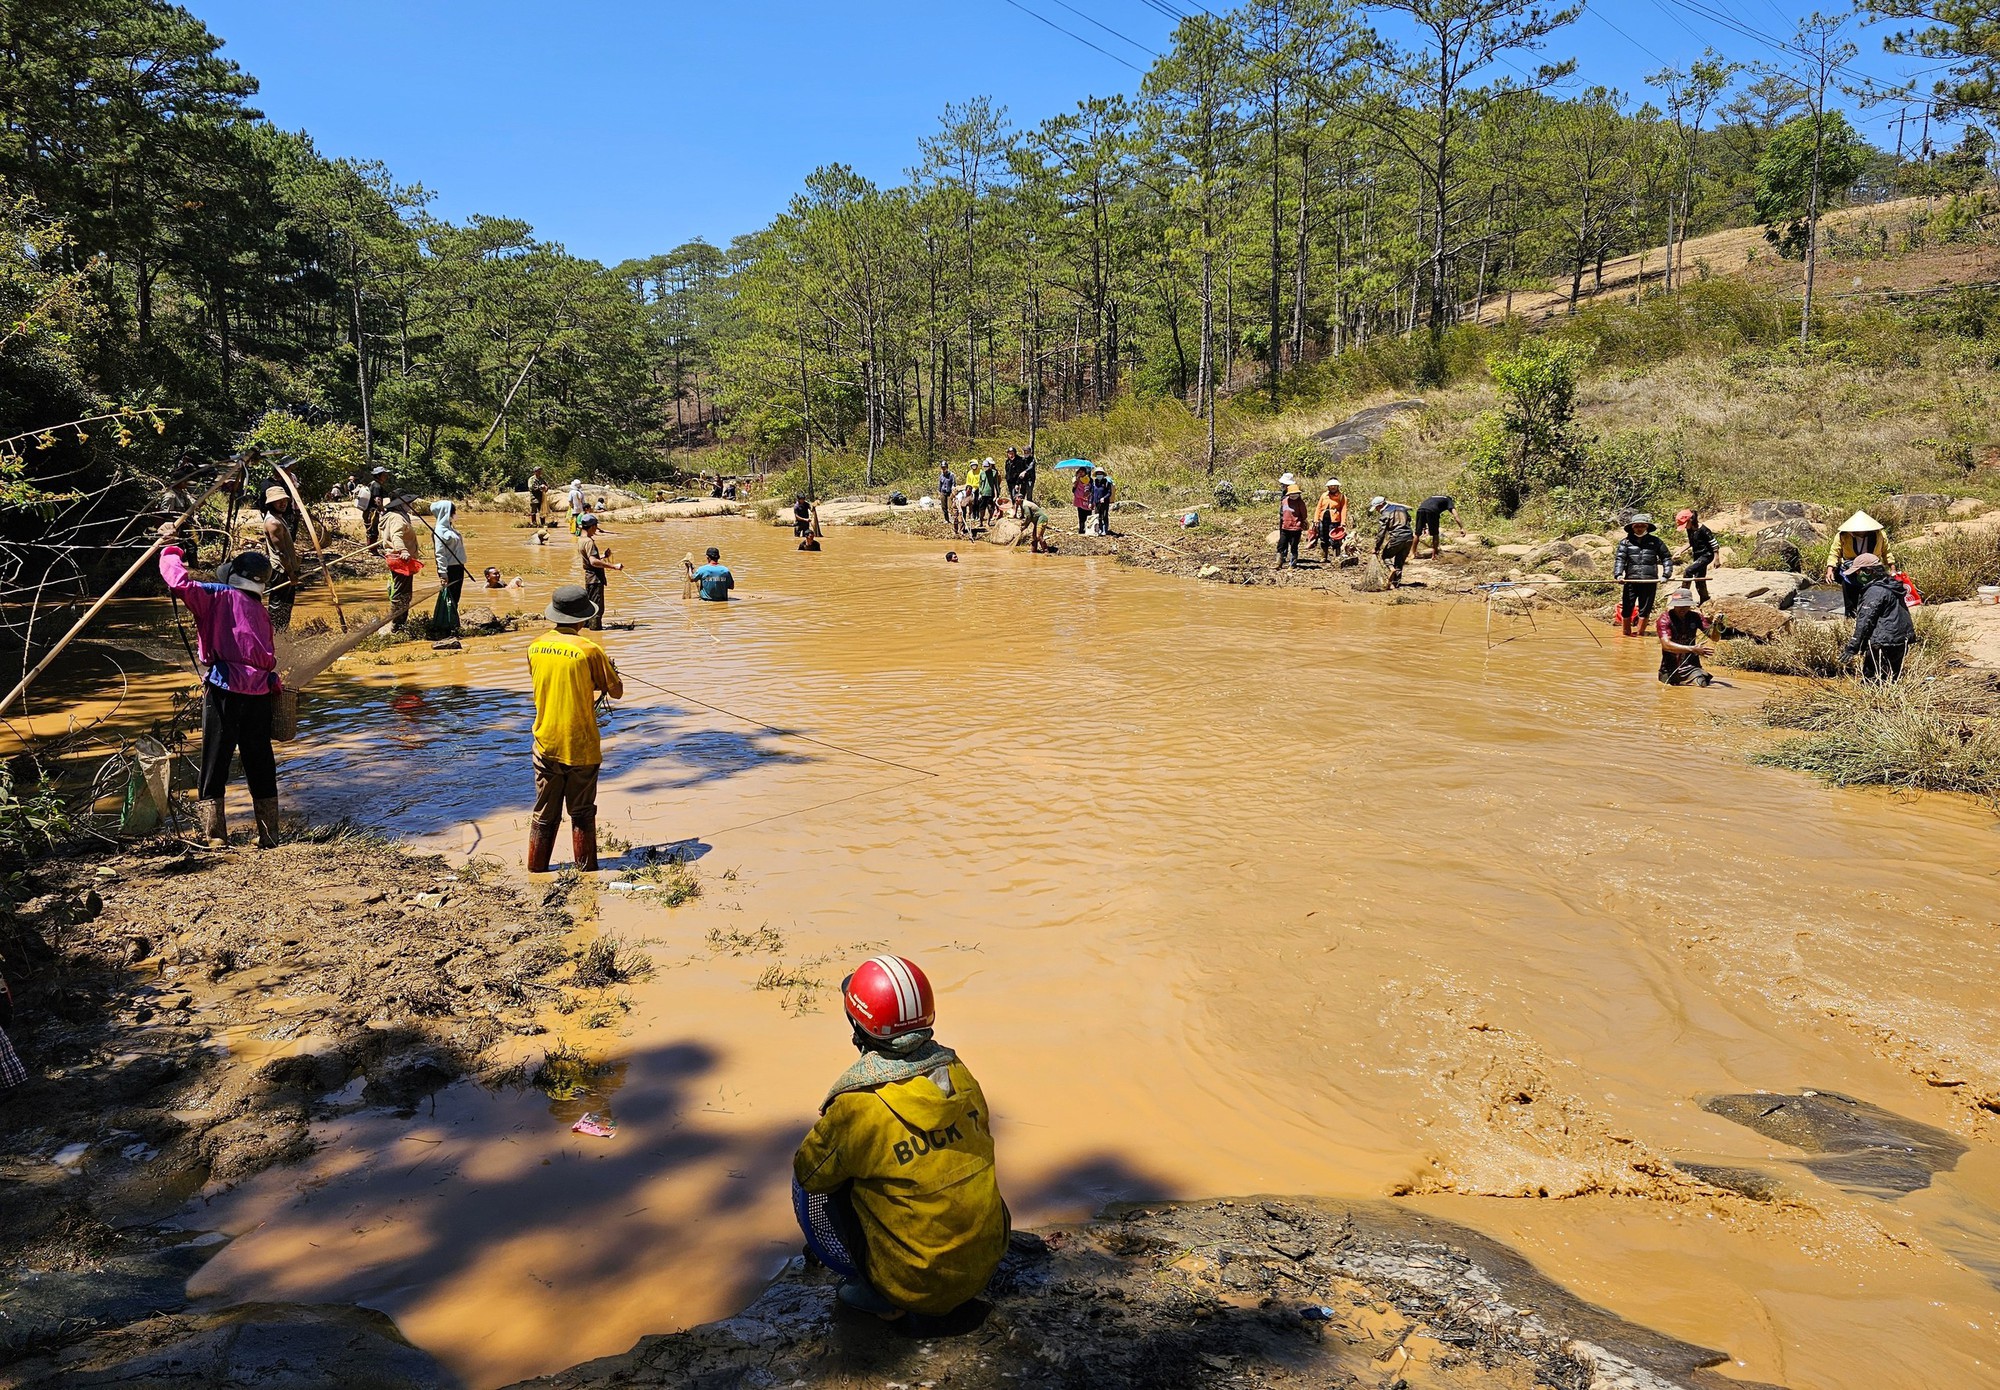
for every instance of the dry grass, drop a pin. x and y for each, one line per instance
(610, 960)
(1953, 566)
(1920, 734)
(1812, 650)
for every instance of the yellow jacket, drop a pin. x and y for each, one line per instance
(921, 1167)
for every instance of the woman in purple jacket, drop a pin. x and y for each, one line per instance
(239, 684)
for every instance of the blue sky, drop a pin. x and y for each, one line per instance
(623, 128)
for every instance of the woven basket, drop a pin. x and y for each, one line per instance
(285, 717)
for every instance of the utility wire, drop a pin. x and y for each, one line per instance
(1074, 35)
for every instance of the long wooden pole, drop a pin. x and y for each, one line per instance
(325, 569)
(233, 476)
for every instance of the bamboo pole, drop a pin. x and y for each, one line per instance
(325, 568)
(235, 475)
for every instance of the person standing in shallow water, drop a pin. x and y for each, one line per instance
(894, 1188)
(1640, 562)
(713, 581)
(569, 670)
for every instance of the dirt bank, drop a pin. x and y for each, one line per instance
(184, 1014)
(1292, 1292)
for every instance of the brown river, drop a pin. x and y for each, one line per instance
(1224, 891)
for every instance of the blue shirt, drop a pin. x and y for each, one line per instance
(716, 581)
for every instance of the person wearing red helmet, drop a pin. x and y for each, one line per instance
(894, 1187)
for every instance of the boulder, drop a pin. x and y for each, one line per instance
(1748, 617)
(1209, 572)
(1967, 507)
(1774, 587)
(1555, 552)
(1768, 512)
(1005, 531)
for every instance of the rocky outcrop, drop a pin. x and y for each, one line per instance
(1361, 429)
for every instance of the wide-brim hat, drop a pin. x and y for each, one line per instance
(1866, 560)
(1680, 598)
(1639, 519)
(250, 572)
(570, 604)
(275, 493)
(1333, 482)
(1286, 480)
(378, 471)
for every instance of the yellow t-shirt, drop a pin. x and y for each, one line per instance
(569, 668)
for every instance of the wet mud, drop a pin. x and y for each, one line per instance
(1224, 890)
(1282, 1292)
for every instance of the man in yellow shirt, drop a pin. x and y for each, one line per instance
(894, 1187)
(569, 669)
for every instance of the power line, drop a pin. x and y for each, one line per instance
(1074, 35)
(1126, 38)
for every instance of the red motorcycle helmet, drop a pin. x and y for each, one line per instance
(887, 997)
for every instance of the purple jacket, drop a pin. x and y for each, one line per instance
(232, 630)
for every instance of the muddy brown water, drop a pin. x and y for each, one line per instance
(1223, 891)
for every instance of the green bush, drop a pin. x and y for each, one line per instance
(1611, 478)
(1531, 442)
(325, 453)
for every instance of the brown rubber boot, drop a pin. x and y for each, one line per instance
(583, 844)
(541, 844)
(213, 824)
(267, 822)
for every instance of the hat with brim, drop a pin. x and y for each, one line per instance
(570, 604)
(1680, 598)
(1639, 519)
(275, 493)
(1866, 560)
(1333, 482)
(1286, 480)
(378, 471)
(249, 572)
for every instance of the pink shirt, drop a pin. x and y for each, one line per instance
(232, 630)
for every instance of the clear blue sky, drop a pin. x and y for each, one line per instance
(623, 128)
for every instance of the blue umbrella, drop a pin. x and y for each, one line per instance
(1075, 463)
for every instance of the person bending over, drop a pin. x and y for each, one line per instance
(1430, 513)
(1883, 630)
(1397, 537)
(894, 1187)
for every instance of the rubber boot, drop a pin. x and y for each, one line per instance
(267, 822)
(541, 844)
(1626, 618)
(583, 844)
(212, 822)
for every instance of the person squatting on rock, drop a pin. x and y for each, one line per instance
(282, 550)
(1883, 629)
(1641, 558)
(1681, 630)
(1397, 538)
(894, 1187)
(1291, 521)
(236, 649)
(1702, 552)
(569, 670)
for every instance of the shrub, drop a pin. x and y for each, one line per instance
(324, 453)
(1611, 478)
(1953, 566)
(1531, 441)
(1936, 734)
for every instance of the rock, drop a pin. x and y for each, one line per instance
(1225, 493)
(1797, 530)
(483, 619)
(1127, 505)
(1862, 1147)
(1967, 507)
(1774, 587)
(1005, 531)
(1263, 495)
(1778, 511)
(404, 1078)
(1360, 430)
(1582, 562)
(1555, 552)
(1915, 508)
(1748, 617)
(269, 1346)
(1209, 572)
(1514, 552)
(46, 1307)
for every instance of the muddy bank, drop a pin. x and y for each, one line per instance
(184, 1016)
(1289, 1292)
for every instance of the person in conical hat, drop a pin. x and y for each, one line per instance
(1861, 534)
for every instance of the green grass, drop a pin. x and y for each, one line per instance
(674, 880)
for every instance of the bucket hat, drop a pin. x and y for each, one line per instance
(570, 604)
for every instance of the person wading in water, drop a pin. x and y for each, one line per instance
(1681, 630)
(894, 1188)
(237, 652)
(593, 560)
(569, 670)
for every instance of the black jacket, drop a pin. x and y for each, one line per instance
(1642, 557)
(1882, 617)
(1701, 546)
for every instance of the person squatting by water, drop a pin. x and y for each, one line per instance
(237, 652)
(593, 560)
(1396, 538)
(1681, 630)
(894, 1187)
(1034, 519)
(1883, 629)
(569, 670)
(1329, 530)
(282, 550)
(1640, 560)
(1702, 552)
(448, 547)
(1291, 521)
(713, 581)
